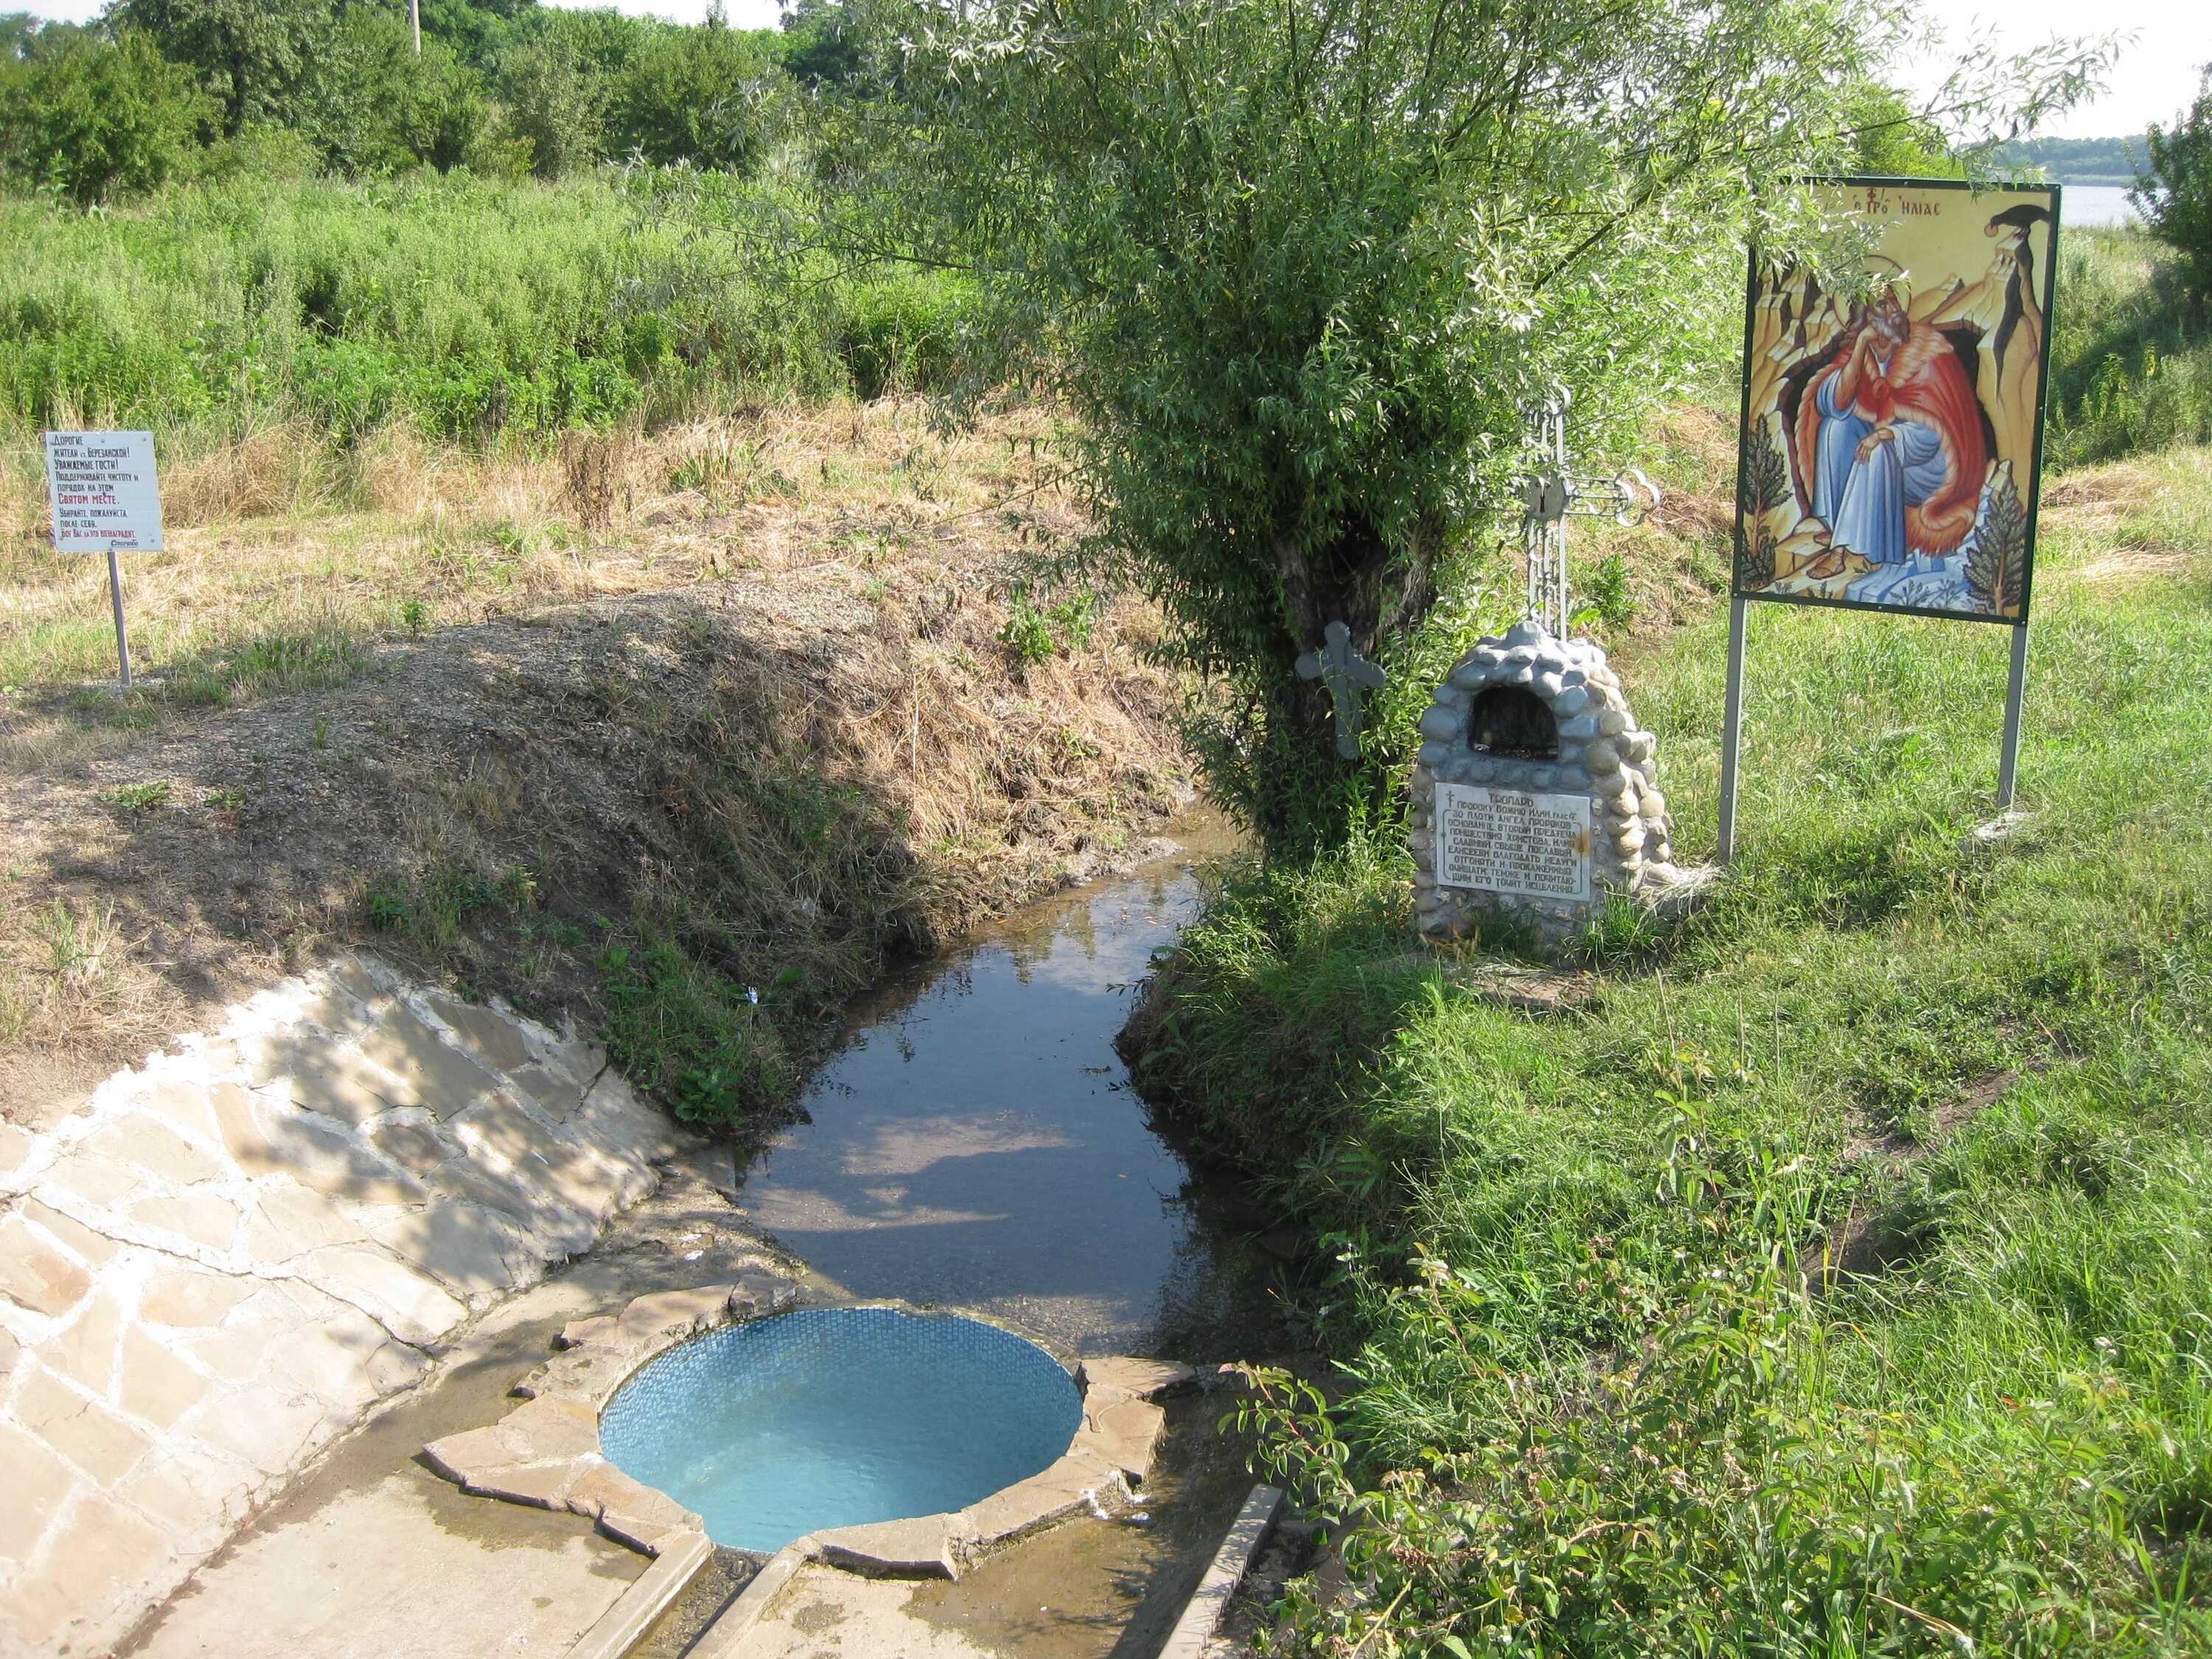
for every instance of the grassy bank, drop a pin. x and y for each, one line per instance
(2129, 371)
(684, 733)
(1834, 1278)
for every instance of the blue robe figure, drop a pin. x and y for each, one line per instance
(1863, 502)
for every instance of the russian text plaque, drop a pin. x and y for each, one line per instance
(1512, 840)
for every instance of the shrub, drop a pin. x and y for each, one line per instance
(696, 95)
(99, 119)
(256, 58)
(2174, 195)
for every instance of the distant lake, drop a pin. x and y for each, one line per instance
(2096, 204)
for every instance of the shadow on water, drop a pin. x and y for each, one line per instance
(976, 1142)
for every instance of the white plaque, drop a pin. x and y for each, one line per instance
(1512, 840)
(104, 495)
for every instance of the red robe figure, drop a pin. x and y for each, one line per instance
(1890, 436)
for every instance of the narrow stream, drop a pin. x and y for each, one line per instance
(976, 1143)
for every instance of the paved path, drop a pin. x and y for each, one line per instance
(232, 1252)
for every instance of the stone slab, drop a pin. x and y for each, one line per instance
(222, 1258)
(923, 1547)
(1201, 1615)
(1125, 1433)
(1070, 1486)
(1145, 1378)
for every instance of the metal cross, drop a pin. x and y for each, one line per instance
(1549, 494)
(1346, 673)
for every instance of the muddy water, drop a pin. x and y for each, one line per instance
(976, 1143)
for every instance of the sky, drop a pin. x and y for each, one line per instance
(2155, 78)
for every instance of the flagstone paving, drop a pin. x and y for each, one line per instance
(236, 1250)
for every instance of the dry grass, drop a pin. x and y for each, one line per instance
(742, 685)
(279, 535)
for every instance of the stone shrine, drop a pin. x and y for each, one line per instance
(1535, 796)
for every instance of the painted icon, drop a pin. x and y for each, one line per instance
(1892, 439)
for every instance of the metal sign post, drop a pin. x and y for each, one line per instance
(2016, 694)
(106, 499)
(1732, 727)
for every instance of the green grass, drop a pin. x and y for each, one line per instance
(468, 308)
(2129, 371)
(1588, 1406)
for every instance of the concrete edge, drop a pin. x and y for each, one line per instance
(621, 1625)
(1117, 1431)
(1201, 1614)
(722, 1639)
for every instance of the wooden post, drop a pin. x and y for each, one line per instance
(115, 595)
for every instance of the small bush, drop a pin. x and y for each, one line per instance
(673, 1020)
(2175, 194)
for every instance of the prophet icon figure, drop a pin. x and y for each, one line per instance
(1891, 436)
(1892, 433)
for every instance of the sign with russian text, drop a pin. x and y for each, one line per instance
(1513, 840)
(104, 493)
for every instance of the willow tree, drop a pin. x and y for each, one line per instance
(1294, 267)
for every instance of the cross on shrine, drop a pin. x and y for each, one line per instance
(1346, 673)
(1549, 496)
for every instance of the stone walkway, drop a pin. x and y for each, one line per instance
(230, 1254)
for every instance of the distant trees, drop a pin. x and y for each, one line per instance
(256, 58)
(585, 86)
(2174, 192)
(499, 85)
(92, 117)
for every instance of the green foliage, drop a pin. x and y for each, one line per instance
(581, 86)
(1296, 267)
(257, 58)
(2174, 195)
(1644, 1352)
(819, 50)
(1889, 141)
(267, 664)
(435, 905)
(696, 95)
(554, 103)
(141, 797)
(1601, 594)
(94, 118)
(463, 307)
(380, 108)
(2130, 365)
(676, 1021)
(1035, 632)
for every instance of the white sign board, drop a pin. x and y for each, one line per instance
(1511, 841)
(104, 495)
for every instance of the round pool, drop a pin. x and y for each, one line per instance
(829, 1417)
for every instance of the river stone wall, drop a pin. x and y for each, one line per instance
(1602, 754)
(230, 1254)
